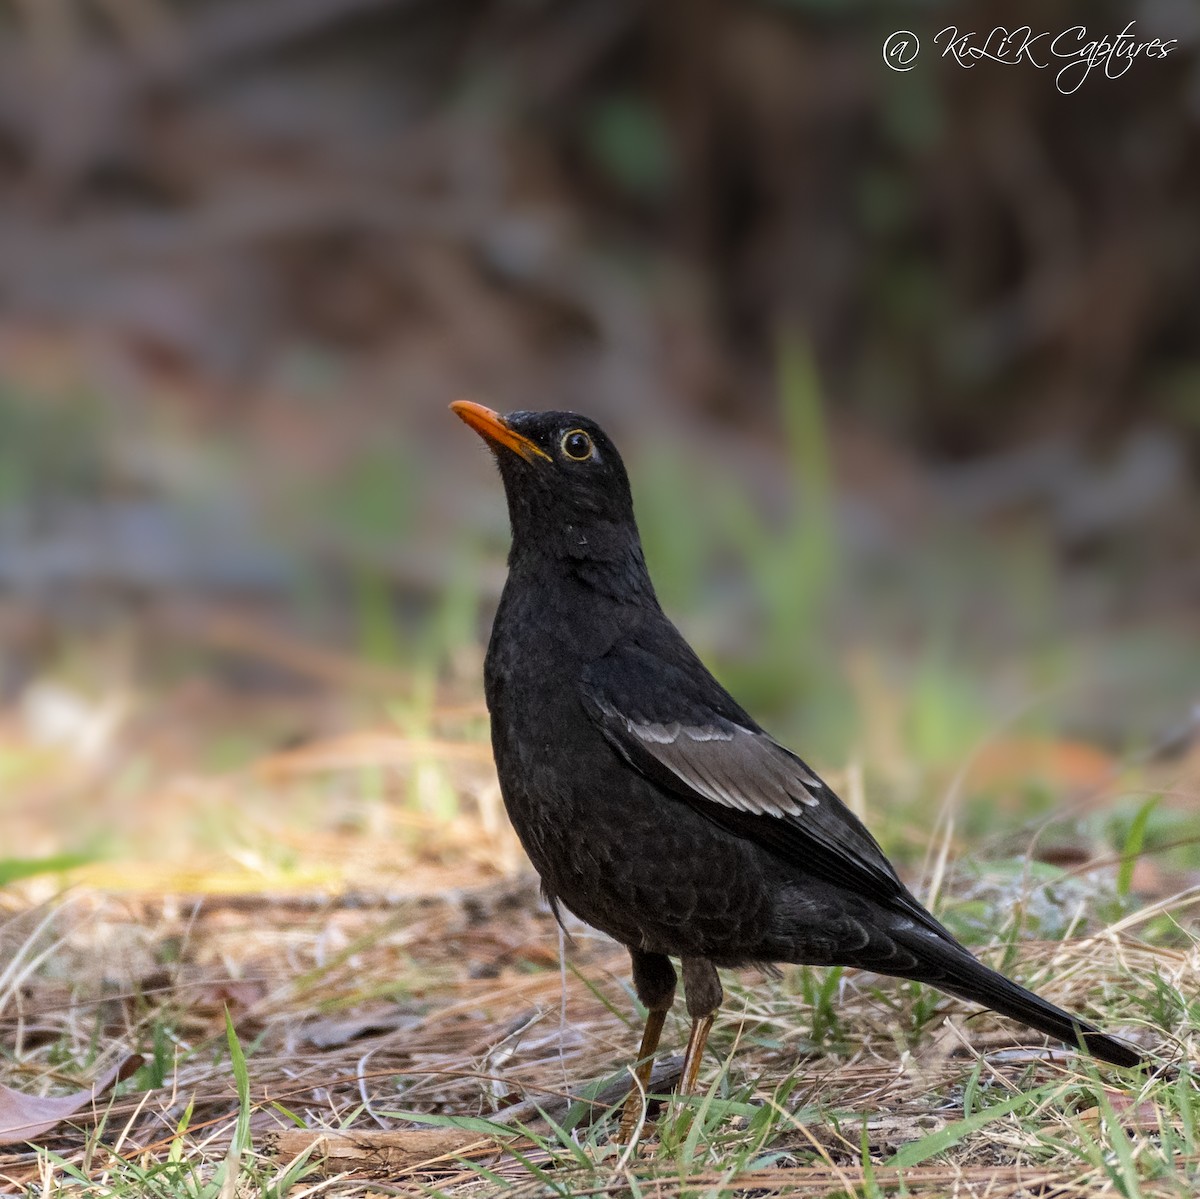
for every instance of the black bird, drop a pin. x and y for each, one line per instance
(651, 804)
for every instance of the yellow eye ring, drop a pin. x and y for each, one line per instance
(577, 445)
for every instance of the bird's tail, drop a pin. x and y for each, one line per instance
(1002, 995)
(955, 971)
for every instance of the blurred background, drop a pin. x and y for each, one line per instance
(905, 367)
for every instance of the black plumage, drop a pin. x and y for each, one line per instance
(650, 803)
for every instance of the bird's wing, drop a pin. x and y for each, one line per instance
(659, 707)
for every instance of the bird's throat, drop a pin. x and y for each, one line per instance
(602, 559)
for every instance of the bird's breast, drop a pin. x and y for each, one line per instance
(616, 850)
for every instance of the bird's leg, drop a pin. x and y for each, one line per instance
(702, 991)
(654, 981)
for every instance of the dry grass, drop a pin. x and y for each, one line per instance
(350, 1015)
(354, 1016)
(385, 962)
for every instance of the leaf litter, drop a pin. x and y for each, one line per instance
(355, 1016)
(384, 966)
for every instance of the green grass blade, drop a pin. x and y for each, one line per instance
(241, 1078)
(1133, 845)
(928, 1146)
(14, 869)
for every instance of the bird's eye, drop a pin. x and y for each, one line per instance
(577, 445)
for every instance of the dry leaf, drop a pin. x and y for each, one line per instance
(26, 1117)
(1134, 1115)
(1067, 765)
(330, 1033)
(375, 1153)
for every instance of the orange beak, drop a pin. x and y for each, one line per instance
(494, 428)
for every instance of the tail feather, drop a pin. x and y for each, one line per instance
(953, 969)
(994, 991)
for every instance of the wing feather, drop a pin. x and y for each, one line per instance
(668, 717)
(726, 763)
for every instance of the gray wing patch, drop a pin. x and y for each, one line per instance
(729, 765)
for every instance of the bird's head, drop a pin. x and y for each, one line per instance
(568, 493)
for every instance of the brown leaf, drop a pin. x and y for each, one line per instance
(26, 1117)
(238, 995)
(375, 1153)
(1134, 1115)
(1068, 765)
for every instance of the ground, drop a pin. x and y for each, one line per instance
(336, 974)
